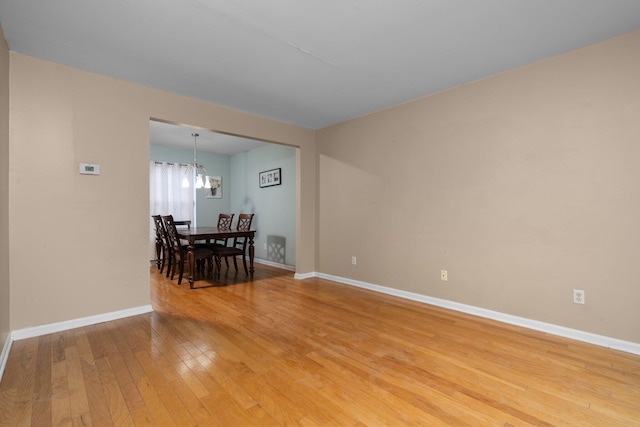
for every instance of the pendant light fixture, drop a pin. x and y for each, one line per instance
(198, 170)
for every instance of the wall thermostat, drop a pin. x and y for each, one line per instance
(89, 169)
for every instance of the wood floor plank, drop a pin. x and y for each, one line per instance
(157, 410)
(96, 399)
(271, 350)
(162, 385)
(25, 380)
(13, 369)
(175, 368)
(126, 367)
(41, 407)
(142, 418)
(192, 403)
(60, 404)
(114, 398)
(58, 346)
(378, 404)
(132, 398)
(7, 402)
(78, 398)
(275, 402)
(220, 378)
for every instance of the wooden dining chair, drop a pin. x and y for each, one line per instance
(224, 223)
(185, 223)
(163, 248)
(239, 246)
(202, 255)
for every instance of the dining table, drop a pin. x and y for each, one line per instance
(207, 234)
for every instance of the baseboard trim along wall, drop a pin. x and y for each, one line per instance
(274, 264)
(5, 354)
(603, 341)
(36, 331)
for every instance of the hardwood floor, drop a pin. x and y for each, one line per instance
(277, 351)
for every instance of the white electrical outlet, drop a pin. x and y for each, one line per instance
(265, 246)
(578, 296)
(443, 275)
(354, 261)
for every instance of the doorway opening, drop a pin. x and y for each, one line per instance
(236, 164)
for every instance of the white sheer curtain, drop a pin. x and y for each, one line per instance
(167, 197)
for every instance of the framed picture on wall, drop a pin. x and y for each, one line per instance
(270, 178)
(215, 192)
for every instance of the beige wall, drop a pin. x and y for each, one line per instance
(523, 186)
(79, 243)
(4, 191)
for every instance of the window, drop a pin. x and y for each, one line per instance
(167, 197)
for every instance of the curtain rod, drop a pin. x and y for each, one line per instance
(170, 163)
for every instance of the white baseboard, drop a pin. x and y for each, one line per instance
(302, 276)
(274, 264)
(36, 331)
(4, 356)
(603, 341)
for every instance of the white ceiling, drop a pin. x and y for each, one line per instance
(312, 63)
(169, 135)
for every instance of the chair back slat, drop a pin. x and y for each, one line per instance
(224, 221)
(157, 220)
(244, 224)
(172, 233)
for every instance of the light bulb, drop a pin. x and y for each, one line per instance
(207, 182)
(199, 183)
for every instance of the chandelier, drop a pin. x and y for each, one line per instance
(198, 170)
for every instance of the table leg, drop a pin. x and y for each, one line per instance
(192, 261)
(251, 253)
(218, 265)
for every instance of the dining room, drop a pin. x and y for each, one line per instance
(198, 176)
